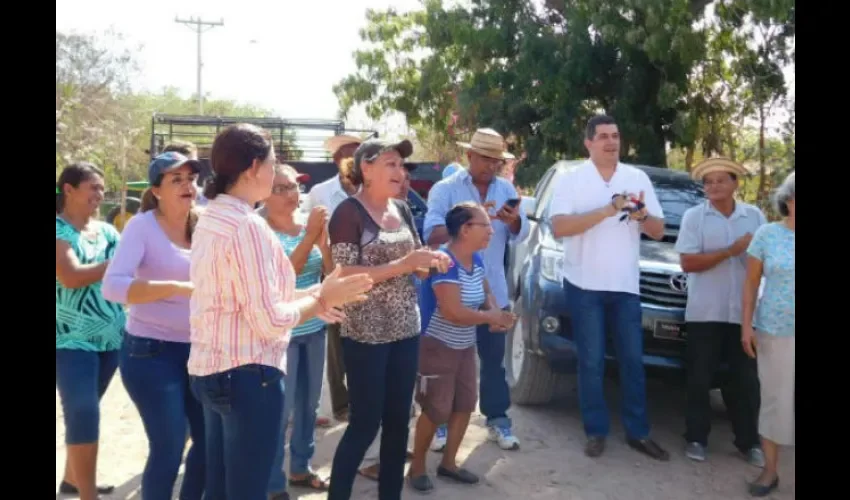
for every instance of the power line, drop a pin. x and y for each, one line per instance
(199, 26)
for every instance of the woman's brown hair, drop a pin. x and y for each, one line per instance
(149, 202)
(233, 152)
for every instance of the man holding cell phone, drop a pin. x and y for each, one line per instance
(480, 183)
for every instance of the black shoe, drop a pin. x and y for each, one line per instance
(594, 447)
(67, 488)
(649, 448)
(761, 490)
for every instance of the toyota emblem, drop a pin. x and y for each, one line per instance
(679, 282)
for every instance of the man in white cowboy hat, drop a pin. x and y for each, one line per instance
(602, 279)
(712, 243)
(479, 183)
(331, 193)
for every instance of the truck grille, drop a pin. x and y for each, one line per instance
(655, 289)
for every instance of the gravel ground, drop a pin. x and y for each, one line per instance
(550, 465)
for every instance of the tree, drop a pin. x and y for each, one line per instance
(91, 74)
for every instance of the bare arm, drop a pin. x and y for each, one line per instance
(72, 274)
(653, 227)
(491, 299)
(301, 253)
(452, 308)
(439, 235)
(750, 292)
(379, 273)
(700, 262)
(144, 292)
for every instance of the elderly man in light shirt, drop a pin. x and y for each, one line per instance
(712, 243)
(480, 184)
(331, 193)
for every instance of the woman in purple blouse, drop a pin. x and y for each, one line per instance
(150, 273)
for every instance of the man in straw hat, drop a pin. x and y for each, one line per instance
(602, 278)
(712, 244)
(331, 193)
(479, 183)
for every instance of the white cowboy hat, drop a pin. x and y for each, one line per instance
(487, 142)
(333, 143)
(718, 164)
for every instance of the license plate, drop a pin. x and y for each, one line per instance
(669, 330)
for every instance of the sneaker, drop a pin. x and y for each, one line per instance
(695, 451)
(755, 457)
(503, 435)
(439, 442)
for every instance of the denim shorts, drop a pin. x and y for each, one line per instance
(81, 379)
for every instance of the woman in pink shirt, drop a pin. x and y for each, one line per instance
(241, 313)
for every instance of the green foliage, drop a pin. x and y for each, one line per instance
(99, 118)
(537, 74)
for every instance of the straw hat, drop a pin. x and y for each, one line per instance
(335, 142)
(487, 142)
(719, 164)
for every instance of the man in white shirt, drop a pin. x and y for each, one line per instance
(330, 194)
(602, 278)
(335, 190)
(712, 246)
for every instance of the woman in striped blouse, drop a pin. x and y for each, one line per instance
(454, 304)
(243, 309)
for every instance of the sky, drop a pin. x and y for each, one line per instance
(283, 55)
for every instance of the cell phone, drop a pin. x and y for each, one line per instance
(513, 202)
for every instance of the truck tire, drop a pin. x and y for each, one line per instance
(530, 378)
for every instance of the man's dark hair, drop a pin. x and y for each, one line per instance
(590, 131)
(185, 148)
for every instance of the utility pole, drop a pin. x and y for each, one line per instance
(199, 26)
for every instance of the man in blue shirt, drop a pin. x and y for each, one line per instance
(479, 183)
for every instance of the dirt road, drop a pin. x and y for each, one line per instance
(550, 464)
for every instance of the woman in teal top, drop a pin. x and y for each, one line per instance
(308, 250)
(88, 328)
(768, 331)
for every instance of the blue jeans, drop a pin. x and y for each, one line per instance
(590, 312)
(243, 407)
(82, 378)
(494, 394)
(380, 378)
(305, 363)
(154, 374)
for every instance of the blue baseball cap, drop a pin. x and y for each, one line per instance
(169, 161)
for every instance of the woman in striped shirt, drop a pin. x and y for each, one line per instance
(454, 303)
(308, 249)
(242, 311)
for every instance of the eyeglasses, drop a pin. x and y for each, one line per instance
(286, 188)
(482, 224)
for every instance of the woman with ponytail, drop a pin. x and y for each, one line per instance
(150, 273)
(88, 327)
(243, 310)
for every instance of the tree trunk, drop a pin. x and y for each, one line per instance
(762, 166)
(689, 158)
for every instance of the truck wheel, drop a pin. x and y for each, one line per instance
(530, 378)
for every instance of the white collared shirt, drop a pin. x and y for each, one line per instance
(606, 257)
(329, 193)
